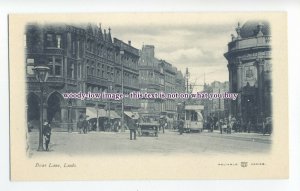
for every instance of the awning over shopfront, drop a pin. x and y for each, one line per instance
(114, 115)
(91, 113)
(128, 113)
(136, 115)
(194, 107)
(132, 115)
(102, 113)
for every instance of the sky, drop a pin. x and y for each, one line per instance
(200, 47)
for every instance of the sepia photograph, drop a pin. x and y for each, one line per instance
(139, 96)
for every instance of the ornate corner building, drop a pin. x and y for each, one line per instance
(249, 65)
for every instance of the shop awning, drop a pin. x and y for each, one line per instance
(114, 115)
(136, 115)
(128, 113)
(194, 107)
(102, 113)
(91, 112)
(132, 115)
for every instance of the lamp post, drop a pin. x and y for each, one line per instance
(70, 128)
(187, 76)
(41, 74)
(110, 91)
(122, 76)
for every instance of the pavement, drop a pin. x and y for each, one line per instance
(209, 143)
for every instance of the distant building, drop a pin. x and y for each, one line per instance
(249, 66)
(151, 80)
(158, 76)
(81, 58)
(218, 108)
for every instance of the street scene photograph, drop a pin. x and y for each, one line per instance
(138, 87)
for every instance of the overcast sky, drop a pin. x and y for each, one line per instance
(200, 47)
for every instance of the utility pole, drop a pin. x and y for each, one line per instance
(122, 76)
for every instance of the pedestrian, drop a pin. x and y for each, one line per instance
(181, 125)
(249, 126)
(79, 124)
(165, 126)
(132, 128)
(85, 125)
(229, 126)
(47, 134)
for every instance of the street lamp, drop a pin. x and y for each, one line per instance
(110, 91)
(41, 74)
(122, 76)
(187, 76)
(70, 128)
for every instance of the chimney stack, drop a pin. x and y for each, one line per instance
(129, 42)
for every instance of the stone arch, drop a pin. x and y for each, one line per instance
(55, 101)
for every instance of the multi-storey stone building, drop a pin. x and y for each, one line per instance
(249, 66)
(81, 59)
(151, 80)
(170, 105)
(158, 76)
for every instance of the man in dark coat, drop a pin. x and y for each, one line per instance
(180, 126)
(47, 134)
(85, 125)
(133, 127)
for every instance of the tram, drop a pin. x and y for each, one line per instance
(193, 119)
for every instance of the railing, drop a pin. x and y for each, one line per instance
(126, 47)
(51, 79)
(95, 101)
(97, 80)
(54, 50)
(71, 81)
(250, 42)
(131, 102)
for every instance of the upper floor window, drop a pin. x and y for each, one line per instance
(55, 65)
(58, 41)
(49, 40)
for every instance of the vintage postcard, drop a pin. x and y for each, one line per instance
(139, 96)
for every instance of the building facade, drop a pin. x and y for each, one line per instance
(151, 80)
(249, 66)
(170, 105)
(217, 108)
(158, 76)
(81, 58)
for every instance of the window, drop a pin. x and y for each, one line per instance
(58, 41)
(49, 40)
(92, 71)
(57, 65)
(73, 47)
(57, 70)
(70, 69)
(50, 65)
(29, 70)
(49, 37)
(88, 70)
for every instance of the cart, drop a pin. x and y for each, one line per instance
(147, 129)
